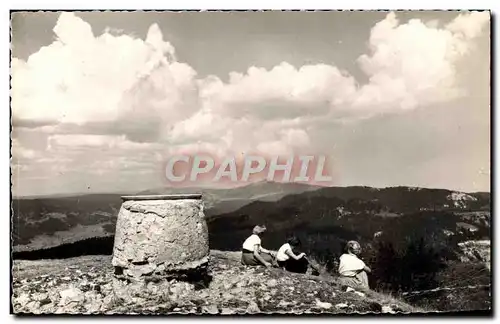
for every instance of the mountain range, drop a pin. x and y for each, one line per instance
(285, 208)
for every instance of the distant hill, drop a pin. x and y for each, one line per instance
(48, 222)
(44, 222)
(218, 201)
(327, 217)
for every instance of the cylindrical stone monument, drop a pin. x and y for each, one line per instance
(159, 238)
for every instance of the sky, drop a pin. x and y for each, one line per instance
(100, 100)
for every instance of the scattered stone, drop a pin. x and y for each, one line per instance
(227, 311)
(210, 309)
(388, 309)
(85, 287)
(160, 268)
(54, 296)
(33, 305)
(241, 283)
(23, 299)
(227, 296)
(71, 295)
(107, 288)
(107, 302)
(272, 283)
(283, 304)
(94, 306)
(323, 305)
(359, 293)
(43, 298)
(341, 305)
(148, 269)
(253, 308)
(236, 291)
(47, 308)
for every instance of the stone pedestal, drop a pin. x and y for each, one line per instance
(158, 239)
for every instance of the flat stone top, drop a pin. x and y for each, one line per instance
(163, 197)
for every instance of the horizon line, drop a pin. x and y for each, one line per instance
(202, 188)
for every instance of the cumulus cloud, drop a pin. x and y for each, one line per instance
(408, 66)
(285, 91)
(81, 78)
(90, 93)
(414, 64)
(469, 25)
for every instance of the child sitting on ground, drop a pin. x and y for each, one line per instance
(253, 253)
(353, 271)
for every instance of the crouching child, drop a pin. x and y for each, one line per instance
(288, 260)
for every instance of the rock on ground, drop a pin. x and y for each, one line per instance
(84, 286)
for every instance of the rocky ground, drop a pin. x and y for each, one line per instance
(83, 285)
(476, 251)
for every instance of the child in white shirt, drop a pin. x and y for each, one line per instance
(252, 251)
(353, 271)
(288, 260)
